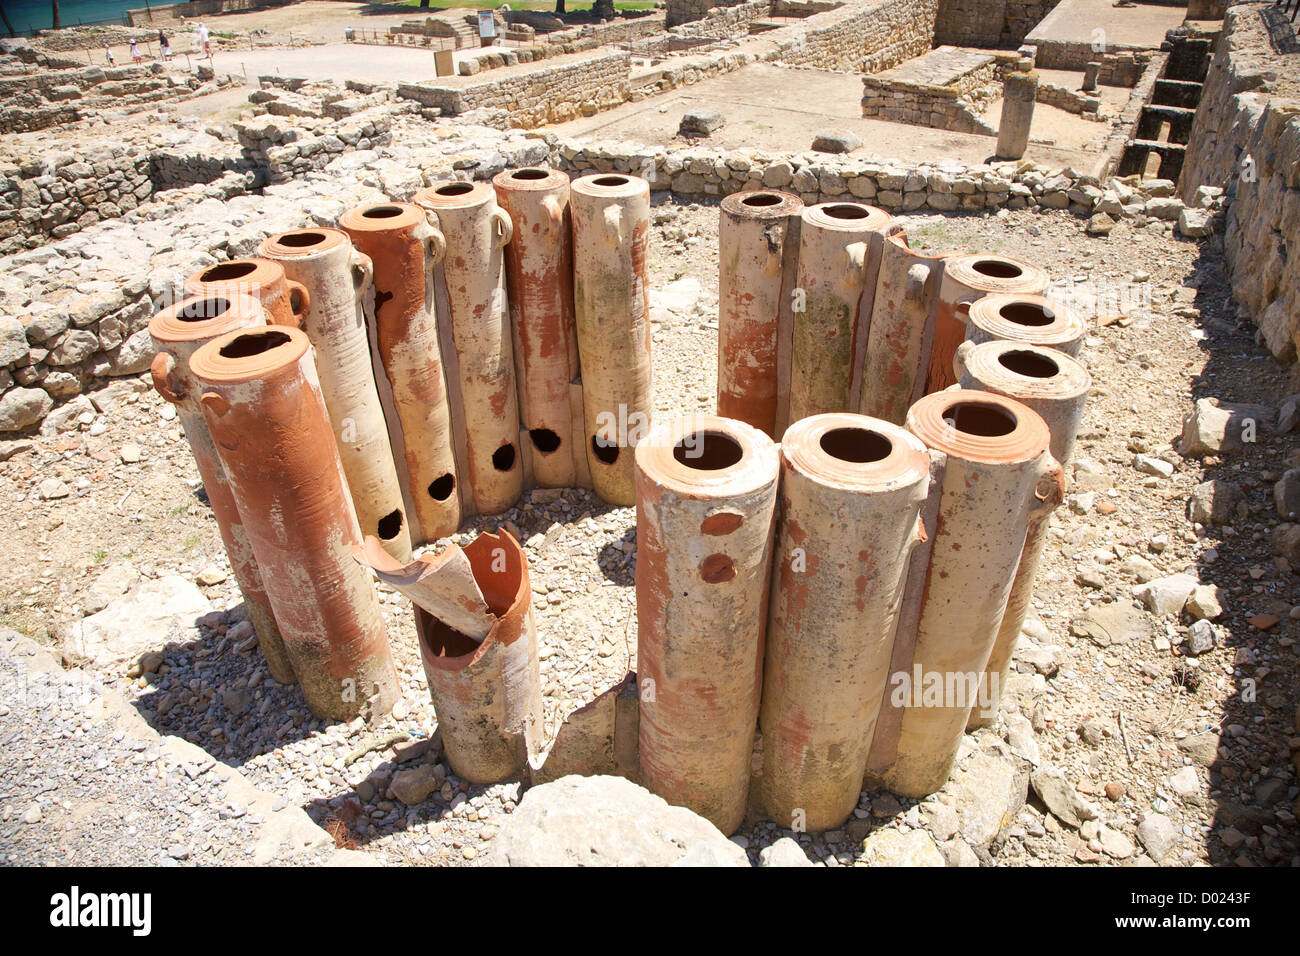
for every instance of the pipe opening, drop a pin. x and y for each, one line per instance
(390, 525)
(544, 440)
(454, 189)
(198, 310)
(997, 269)
(381, 212)
(845, 211)
(707, 451)
(301, 240)
(253, 343)
(761, 199)
(1026, 313)
(440, 489)
(533, 174)
(859, 445)
(1030, 364)
(610, 180)
(976, 418)
(228, 271)
(606, 451)
(503, 459)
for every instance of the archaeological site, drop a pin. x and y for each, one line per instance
(774, 433)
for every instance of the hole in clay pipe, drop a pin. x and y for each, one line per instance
(1026, 313)
(605, 452)
(610, 181)
(717, 569)
(529, 174)
(1030, 364)
(707, 451)
(253, 343)
(544, 440)
(300, 240)
(845, 211)
(997, 269)
(454, 189)
(390, 525)
(503, 459)
(227, 271)
(856, 444)
(976, 418)
(201, 309)
(441, 488)
(761, 199)
(381, 212)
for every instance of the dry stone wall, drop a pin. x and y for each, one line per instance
(988, 23)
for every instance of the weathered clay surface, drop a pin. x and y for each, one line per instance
(706, 497)
(285, 301)
(443, 585)
(599, 737)
(611, 225)
(262, 403)
(1029, 319)
(851, 493)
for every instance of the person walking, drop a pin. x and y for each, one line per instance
(205, 43)
(164, 46)
(135, 52)
(108, 52)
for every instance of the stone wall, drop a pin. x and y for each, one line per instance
(726, 21)
(988, 23)
(860, 37)
(947, 88)
(1072, 101)
(687, 11)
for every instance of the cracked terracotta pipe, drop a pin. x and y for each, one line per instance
(966, 278)
(473, 271)
(995, 475)
(539, 278)
(840, 245)
(403, 247)
(487, 694)
(706, 497)
(286, 302)
(1056, 387)
(1028, 319)
(262, 402)
(337, 279)
(902, 327)
(758, 249)
(177, 332)
(611, 225)
(851, 494)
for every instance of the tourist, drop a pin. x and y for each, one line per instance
(108, 52)
(164, 46)
(135, 52)
(205, 44)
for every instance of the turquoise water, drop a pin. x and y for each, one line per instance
(27, 15)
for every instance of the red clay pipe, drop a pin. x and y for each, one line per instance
(286, 302)
(1027, 319)
(268, 420)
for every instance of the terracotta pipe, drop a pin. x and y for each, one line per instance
(177, 332)
(706, 496)
(403, 247)
(611, 226)
(966, 278)
(758, 251)
(476, 230)
(262, 401)
(338, 278)
(443, 585)
(997, 475)
(539, 277)
(487, 694)
(839, 255)
(851, 494)
(286, 302)
(1056, 387)
(901, 331)
(1028, 319)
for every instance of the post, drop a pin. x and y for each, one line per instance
(1018, 93)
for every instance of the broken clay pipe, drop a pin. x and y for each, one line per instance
(443, 585)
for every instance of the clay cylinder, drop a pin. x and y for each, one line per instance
(1019, 92)
(966, 278)
(539, 278)
(1028, 320)
(1056, 387)
(177, 332)
(476, 230)
(758, 251)
(285, 300)
(403, 248)
(996, 475)
(851, 492)
(902, 328)
(337, 279)
(263, 405)
(839, 253)
(611, 225)
(706, 495)
(487, 695)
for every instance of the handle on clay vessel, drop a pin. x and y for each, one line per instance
(214, 403)
(857, 253)
(1049, 489)
(161, 368)
(959, 359)
(613, 225)
(298, 291)
(363, 271)
(554, 211)
(504, 225)
(437, 245)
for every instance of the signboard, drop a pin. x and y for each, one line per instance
(487, 27)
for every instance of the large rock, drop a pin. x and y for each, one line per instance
(604, 821)
(132, 356)
(896, 848)
(784, 852)
(835, 141)
(1218, 502)
(1166, 596)
(1286, 495)
(1061, 798)
(13, 341)
(1158, 835)
(21, 407)
(147, 617)
(700, 122)
(989, 788)
(1215, 429)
